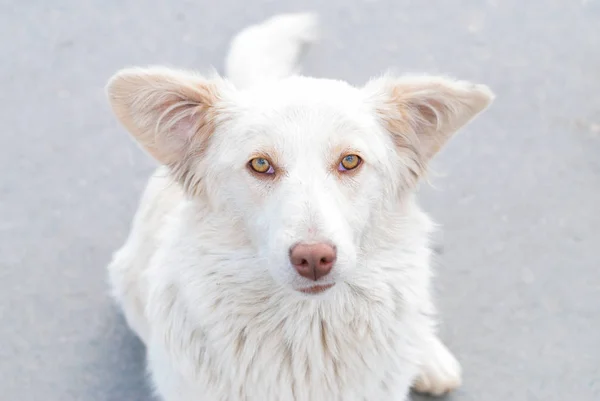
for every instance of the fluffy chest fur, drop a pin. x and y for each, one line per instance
(225, 331)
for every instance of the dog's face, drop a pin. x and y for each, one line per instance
(306, 166)
(302, 162)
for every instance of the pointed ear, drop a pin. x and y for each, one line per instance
(422, 113)
(170, 113)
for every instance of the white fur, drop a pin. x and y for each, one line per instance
(204, 277)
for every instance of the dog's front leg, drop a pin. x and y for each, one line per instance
(440, 372)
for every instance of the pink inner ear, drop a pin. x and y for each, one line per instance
(179, 126)
(431, 113)
(185, 127)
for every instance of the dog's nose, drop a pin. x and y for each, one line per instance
(313, 261)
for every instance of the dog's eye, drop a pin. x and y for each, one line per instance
(261, 165)
(349, 162)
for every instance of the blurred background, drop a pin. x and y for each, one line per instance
(517, 193)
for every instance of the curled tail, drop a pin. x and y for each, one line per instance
(270, 50)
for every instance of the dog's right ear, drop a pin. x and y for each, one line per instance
(170, 113)
(423, 112)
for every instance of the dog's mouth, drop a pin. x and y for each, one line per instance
(316, 289)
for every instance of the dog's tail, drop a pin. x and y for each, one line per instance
(270, 50)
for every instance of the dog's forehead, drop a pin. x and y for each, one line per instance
(303, 111)
(302, 120)
(304, 93)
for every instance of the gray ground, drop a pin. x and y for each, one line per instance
(518, 192)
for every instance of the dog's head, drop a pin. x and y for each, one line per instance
(307, 166)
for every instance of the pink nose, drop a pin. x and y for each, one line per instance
(313, 261)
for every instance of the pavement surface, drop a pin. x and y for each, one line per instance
(517, 193)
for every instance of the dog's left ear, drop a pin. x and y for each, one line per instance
(422, 113)
(170, 113)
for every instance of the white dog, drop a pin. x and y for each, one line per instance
(278, 254)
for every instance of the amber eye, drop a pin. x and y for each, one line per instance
(349, 162)
(261, 165)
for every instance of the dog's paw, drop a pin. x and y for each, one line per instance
(440, 372)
